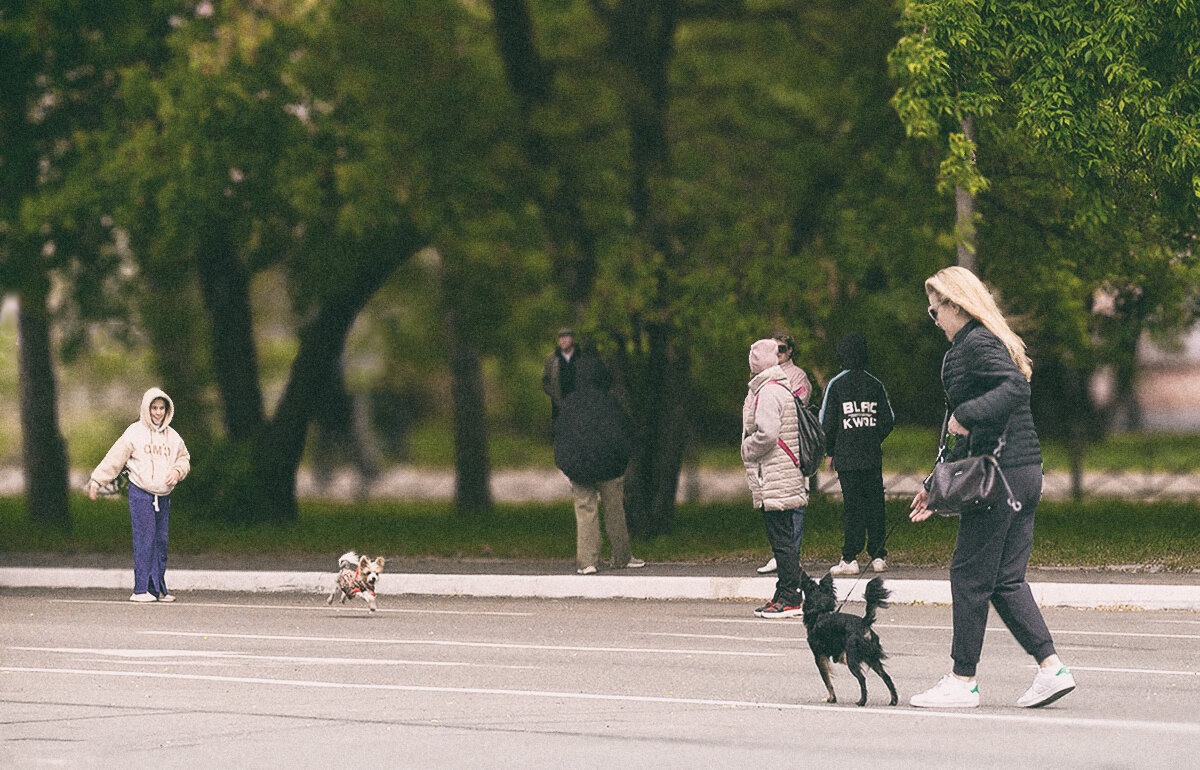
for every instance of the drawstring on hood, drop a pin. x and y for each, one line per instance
(151, 453)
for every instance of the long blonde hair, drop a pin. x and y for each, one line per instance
(960, 286)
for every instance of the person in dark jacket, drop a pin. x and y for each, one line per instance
(592, 444)
(558, 373)
(856, 417)
(986, 376)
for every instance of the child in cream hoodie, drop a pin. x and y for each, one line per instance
(157, 460)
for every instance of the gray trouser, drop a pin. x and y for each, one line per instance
(588, 499)
(990, 557)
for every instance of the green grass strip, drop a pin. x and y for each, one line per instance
(1096, 533)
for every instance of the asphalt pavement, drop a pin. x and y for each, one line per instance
(281, 680)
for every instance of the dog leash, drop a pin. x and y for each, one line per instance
(863, 572)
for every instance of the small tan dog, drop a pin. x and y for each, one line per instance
(357, 576)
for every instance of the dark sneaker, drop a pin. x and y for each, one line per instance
(781, 610)
(758, 612)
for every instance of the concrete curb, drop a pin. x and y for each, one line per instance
(904, 591)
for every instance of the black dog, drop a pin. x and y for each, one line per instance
(838, 636)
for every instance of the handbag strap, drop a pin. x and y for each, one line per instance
(1012, 501)
(1000, 442)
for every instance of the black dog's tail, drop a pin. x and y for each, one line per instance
(877, 598)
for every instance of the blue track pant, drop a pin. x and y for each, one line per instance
(149, 516)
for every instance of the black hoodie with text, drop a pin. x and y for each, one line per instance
(855, 413)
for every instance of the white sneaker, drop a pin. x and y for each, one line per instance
(844, 567)
(878, 565)
(770, 566)
(950, 693)
(166, 598)
(634, 563)
(588, 570)
(145, 597)
(1049, 684)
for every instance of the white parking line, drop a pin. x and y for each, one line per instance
(323, 608)
(726, 637)
(454, 643)
(1152, 671)
(1040, 719)
(143, 654)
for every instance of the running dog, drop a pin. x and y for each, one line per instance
(357, 576)
(842, 637)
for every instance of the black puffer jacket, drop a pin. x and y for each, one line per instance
(983, 389)
(592, 436)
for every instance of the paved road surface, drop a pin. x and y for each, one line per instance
(282, 680)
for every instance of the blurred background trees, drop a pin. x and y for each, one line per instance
(324, 228)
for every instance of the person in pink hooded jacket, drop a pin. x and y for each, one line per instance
(156, 459)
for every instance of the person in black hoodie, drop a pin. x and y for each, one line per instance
(592, 444)
(856, 417)
(986, 375)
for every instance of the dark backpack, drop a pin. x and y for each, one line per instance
(812, 440)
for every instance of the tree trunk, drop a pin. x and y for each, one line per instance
(659, 401)
(174, 321)
(277, 451)
(964, 210)
(472, 471)
(225, 284)
(44, 452)
(572, 241)
(1078, 449)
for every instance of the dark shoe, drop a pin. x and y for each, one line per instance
(758, 612)
(781, 610)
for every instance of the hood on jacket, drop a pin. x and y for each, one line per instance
(591, 372)
(763, 355)
(852, 351)
(147, 398)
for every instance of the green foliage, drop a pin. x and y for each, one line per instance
(1109, 91)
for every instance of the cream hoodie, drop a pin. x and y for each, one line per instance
(149, 452)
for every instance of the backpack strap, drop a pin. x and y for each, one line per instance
(779, 441)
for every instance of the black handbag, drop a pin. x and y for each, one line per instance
(968, 486)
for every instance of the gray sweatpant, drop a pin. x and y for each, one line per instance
(990, 558)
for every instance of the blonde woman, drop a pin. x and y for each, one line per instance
(986, 377)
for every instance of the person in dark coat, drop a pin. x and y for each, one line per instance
(986, 375)
(856, 417)
(558, 373)
(592, 445)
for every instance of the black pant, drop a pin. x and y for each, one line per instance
(862, 513)
(990, 558)
(783, 545)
